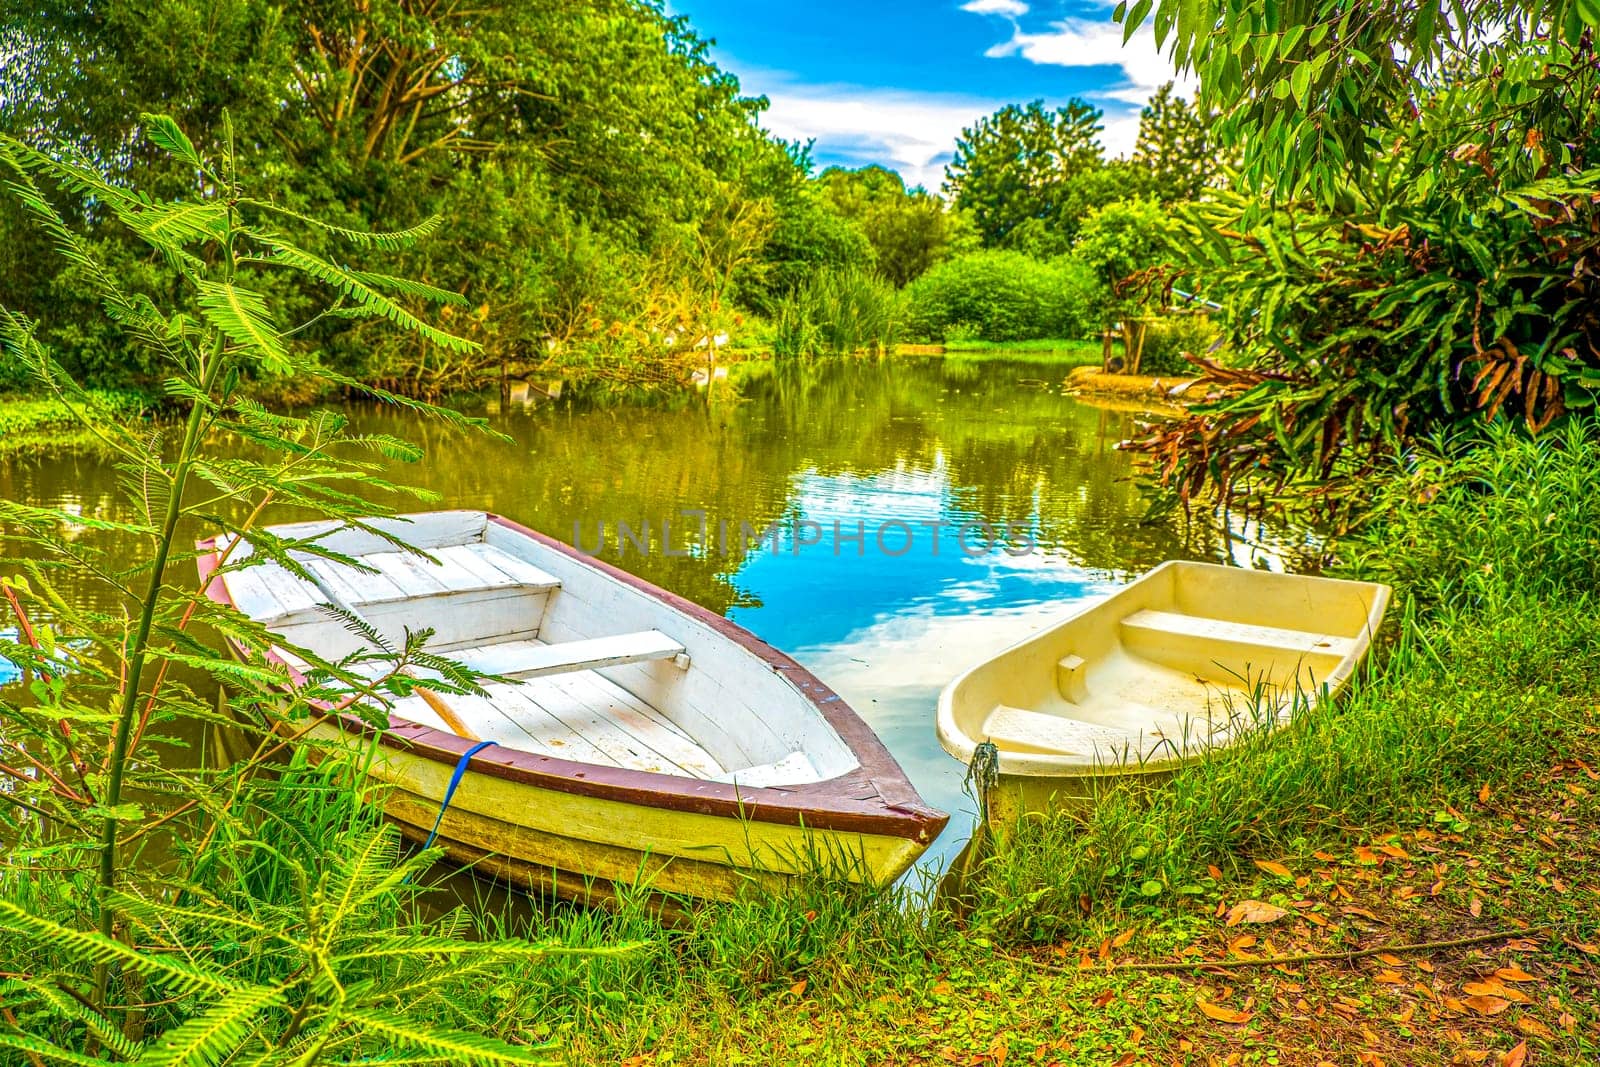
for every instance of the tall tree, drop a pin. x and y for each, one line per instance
(910, 229)
(1017, 165)
(1173, 148)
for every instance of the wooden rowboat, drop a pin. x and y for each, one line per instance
(1176, 664)
(638, 738)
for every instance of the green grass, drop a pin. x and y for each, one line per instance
(1052, 345)
(32, 424)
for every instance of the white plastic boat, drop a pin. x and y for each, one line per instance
(1177, 663)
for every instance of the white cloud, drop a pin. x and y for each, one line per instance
(1010, 8)
(1086, 43)
(913, 132)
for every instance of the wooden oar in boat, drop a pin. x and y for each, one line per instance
(441, 708)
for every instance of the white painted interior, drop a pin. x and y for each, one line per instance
(1179, 661)
(595, 670)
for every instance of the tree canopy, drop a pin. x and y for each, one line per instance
(598, 131)
(1017, 166)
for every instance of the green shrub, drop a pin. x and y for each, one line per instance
(1000, 296)
(1167, 339)
(1467, 521)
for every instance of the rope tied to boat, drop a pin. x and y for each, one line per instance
(450, 790)
(983, 774)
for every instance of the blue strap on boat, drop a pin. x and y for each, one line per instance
(450, 790)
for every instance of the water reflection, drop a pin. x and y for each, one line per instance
(909, 441)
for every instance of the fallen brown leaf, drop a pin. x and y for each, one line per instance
(1486, 1005)
(1124, 937)
(1272, 867)
(1514, 974)
(1516, 1057)
(1389, 978)
(1255, 911)
(1224, 1015)
(1105, 998)
(1529, 1025)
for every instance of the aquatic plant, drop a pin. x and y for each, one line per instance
(837, 312)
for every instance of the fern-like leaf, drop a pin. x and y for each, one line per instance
(388, 241)
(351, 285)
(165, 133)
(204, 220)
(451, 1046)
(411, 287)
(87, 947)
(214, 1034)
(244, 318)
(104, 1030)
(42, 1050)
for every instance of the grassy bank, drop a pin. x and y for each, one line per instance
(1451, 802)
(1059, 351)
(30, 424)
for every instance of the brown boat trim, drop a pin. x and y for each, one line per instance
(892, 808)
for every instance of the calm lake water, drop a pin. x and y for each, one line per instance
(908, 448)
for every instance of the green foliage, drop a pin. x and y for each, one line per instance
(1119, 244)
(575, 147)
(839, 313)
(1375, 298)
(1169, 339)
(234, 964)
(1462, 524)
(1000, 296)
(810, 236)
(19, 417)
(1175, 149)
(909, 231)
(1015, 167)
(272, 926)
(1315, 95)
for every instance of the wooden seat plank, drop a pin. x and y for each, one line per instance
(482, 571)
(412, 574)
(520, 571)
(1020, 730)
(533, 659)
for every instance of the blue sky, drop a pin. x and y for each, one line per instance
(895, 81)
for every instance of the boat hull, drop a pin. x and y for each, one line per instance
(587, 848)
